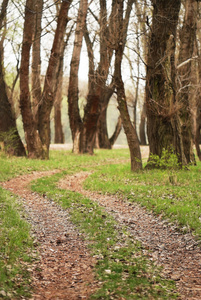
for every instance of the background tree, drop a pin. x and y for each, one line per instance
(99, 90)
(73, 94)
(59, 135)
(9, 137)
(51, 78)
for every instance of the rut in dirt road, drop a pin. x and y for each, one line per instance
(65, 268)
(178, 253)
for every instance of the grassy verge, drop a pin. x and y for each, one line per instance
(180, 203)
(122, 269)
(15, 249)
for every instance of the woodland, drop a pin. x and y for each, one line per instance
(156, 44)
(100, 220)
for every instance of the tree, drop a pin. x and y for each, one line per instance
(99, 91)
(59, 135)
(51, 78)
(197, 122)
(73, 97)
(9, 136)
(187, 43)
(36, 58)
(129, 128)
(143, 15)
(37, 132)
(163, 126)
(34, 145)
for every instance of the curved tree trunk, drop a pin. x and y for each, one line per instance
(117, 131)
(130, 130)
(98, 78)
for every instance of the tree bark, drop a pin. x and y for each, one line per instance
(98, 78)
(197, 124)
(9, 137)
(142, 126)
(48, 95)
(187, 40)
(161, 106)
(116, 133)
(130, 130)
(58, 129)
(36, 59)
(34, 146)
(73, 94)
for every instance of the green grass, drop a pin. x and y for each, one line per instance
(64, 160)
(15, 249)
(130, 275)
(179, 203)
(122, 268)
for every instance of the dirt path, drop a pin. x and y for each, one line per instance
(65, 269)
(177, 253)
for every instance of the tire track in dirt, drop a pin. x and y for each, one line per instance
(65, 267)
(177, 253)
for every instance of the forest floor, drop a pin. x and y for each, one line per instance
(65, 266)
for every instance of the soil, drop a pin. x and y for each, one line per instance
(65, 268)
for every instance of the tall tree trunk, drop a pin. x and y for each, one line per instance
(187, 40)
(36, 59)
(34, 145)
(97, 79)
(73, 94)
(9, 137)
(197, 138)
(142, 52)
(130, 130)
(102, 132)
(161, 106)
(142, 126)
(51, 78)
(59, 135)
(116, 132)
